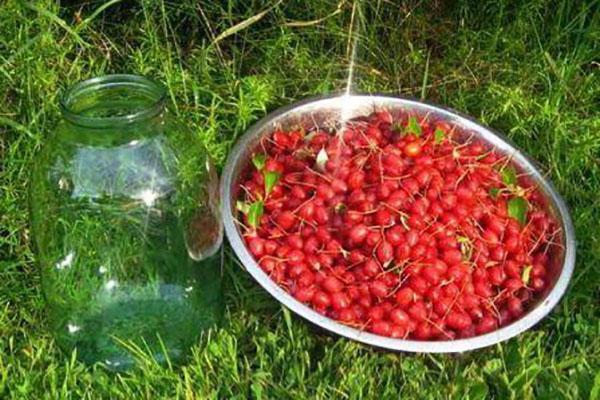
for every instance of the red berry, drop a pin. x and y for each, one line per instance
(443, 305)
(487, 324)
(431, 275)
(385, 253)
(399, 317)
(358, 233)
(340, 300)
(286, 220)
(295, 256)
(423, 331)
(256, 246)
(382, 328)
(452, 256)
(395, 235)
(404, 297)
(347, 315)
(379, 289)
(332, 284)
(458, 320)
(513, 284)
(305, 295)
(306, 278)
(375, 313)
(538, 284)
(397, 332)
(418, 311)
(356, 180)
(371, 268)
(384, 217)
(339, 186)
(412, 149)
(321, 299)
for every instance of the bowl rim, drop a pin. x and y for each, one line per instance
(452, 346)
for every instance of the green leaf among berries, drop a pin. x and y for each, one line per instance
(509, 176)
(242, 207)
(438, 136)
(413, 126)
(517, 209)
(255, 213)
(259, 161)
(271, 179)
(494, 193)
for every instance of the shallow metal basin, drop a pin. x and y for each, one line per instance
(329, 109)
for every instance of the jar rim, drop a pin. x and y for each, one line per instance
(152, 89)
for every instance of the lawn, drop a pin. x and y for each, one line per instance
(526, 68)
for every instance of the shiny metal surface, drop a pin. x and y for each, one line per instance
(323, 111)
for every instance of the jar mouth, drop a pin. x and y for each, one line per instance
(113, 100)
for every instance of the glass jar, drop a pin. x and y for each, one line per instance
(126, 224)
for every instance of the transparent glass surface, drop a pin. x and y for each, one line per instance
(125, 218)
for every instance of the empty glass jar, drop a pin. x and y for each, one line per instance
(126, 224)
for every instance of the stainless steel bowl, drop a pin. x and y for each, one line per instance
(327, 110)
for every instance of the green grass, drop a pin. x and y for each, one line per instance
(527, 68)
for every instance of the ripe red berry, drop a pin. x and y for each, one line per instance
(340, 300)
(418, 311)
(452, 256)
(395, 235)
(385, 253)
(443, 305)
(339, 186)
(515, 307)
(399, 317)
(375, 313)
(397, 332)
(423, 331)
(358, 233)
(412, 149)
(458, 320)
(321, 299)
(371, 268)
(305, 295)
(332, 284)
(418, 285)
(382, 328)
(384, 217)
(404, 297)
(431, 275)
(295, 256)
(379, 289)
(538, 284)
(487, 324)
(347, 315)
(256, 246)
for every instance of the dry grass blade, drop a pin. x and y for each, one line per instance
(303, 24)
(244, 24)
(97, 12)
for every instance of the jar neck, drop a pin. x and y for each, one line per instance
(114, 105)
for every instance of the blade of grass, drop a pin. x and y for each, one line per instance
(58, 21)
(244, 24)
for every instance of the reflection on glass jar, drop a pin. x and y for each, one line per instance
(125, 217)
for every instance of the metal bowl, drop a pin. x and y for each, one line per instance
(334, 108)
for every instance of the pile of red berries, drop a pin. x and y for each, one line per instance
(398, 224)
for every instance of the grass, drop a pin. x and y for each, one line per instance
(527, 68)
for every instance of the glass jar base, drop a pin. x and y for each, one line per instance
(132, 325)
